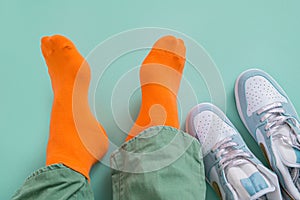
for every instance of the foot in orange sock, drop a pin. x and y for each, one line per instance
(76, 139)
(160, 76)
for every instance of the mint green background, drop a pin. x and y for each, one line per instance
(237, 34)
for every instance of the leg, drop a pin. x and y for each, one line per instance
(160, 162)
(160, 76)
(76, 139)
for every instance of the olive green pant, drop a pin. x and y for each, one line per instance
(160, 163)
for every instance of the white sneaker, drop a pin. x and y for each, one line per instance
(230, 167)
(273, 122)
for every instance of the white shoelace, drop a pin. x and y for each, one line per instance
(229, 153)
(275, 117)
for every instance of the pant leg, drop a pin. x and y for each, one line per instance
(55, 182)
(160, 163)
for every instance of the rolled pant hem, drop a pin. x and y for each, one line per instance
(160, 163)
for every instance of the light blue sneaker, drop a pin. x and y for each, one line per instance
(273, 122)
(230, 167)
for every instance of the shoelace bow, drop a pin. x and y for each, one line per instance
(229, 153)
(275, 116)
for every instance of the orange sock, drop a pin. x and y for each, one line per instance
(76, 139)
(160, 76)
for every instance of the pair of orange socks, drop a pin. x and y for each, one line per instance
(76, 139)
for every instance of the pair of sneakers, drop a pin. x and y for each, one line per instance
(268, 114)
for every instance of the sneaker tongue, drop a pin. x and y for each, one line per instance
(290, 156)
(248, 181)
